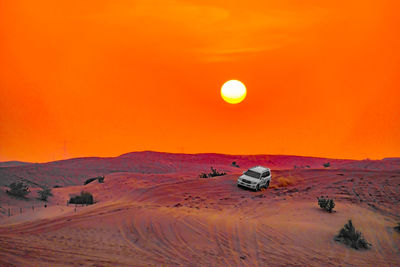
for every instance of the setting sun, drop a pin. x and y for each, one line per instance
(233, 91)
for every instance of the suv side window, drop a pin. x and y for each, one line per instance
(265, 174)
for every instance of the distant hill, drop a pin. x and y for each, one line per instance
(13, 163)
(75, 171)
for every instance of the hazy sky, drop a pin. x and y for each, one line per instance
(101, 78)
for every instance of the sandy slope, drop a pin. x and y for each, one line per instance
(75, 171)
(175, 218)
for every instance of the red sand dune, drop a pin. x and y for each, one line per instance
(153, 210)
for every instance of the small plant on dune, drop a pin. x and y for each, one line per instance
(44, 194)
(203, 175)
(19, 189)
(83, 198)
(326, 203)
(101, 179)
(234, 164)
(397, 228)
(349, 236)
(326, 165)
(213, 173)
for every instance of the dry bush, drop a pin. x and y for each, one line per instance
(213, 173)
(44, 194)
(326, 203)
(349, 236)
(19, 189)
(83, 198)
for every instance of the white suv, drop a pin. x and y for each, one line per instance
(255, 178)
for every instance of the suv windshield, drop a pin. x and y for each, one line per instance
(252, 174)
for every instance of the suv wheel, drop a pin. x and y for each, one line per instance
(266, 185)
(258, 187)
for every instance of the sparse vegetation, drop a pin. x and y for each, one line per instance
(301, 166)
(213, 173)
(234, 164)
(57, 186)
(349, 236)
(83, 198)
(326, 165)
(19, 189)
(326, 203)
(44, 194)
(203, 175)
(99, 178)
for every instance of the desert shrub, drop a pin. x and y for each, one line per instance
(397, 228)
(83, 198)
(326, 203)
(203, 175)
(57, 186)
(99, 178)
(44, 193)
(349, 236)
(19, 189)
(326, 165)
(234, 164)
(213, 173)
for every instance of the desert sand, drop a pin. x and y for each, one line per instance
(154, 210)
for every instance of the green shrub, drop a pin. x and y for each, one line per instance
(234, 164)
(83, 198)
(326, 165)
(213, 173)
(349, 236)
(44, 194)
(19, 189)
(326, 203)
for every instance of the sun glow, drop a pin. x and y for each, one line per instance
(233, 91)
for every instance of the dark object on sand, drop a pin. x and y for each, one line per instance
(99, 178)
(45, 193)
(349, 236)
(326, 203)
(397, 228)
(213, 173)
(18, 189)
(234, 164)
(83, 198)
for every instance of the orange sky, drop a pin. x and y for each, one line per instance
(101, 78)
